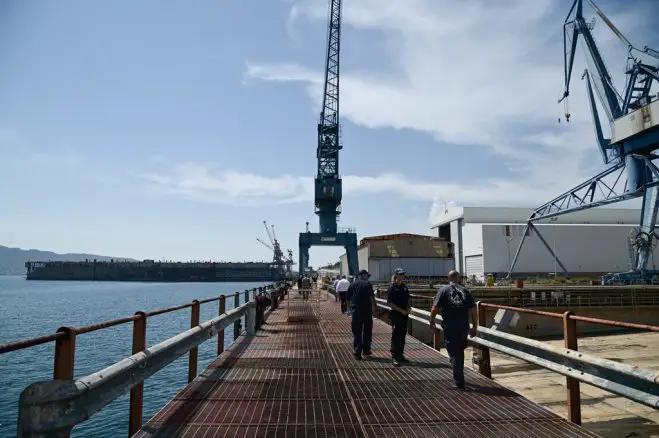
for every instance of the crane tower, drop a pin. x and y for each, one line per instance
(630, 152)
(328, 186)
(281, 266)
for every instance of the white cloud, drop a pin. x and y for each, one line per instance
(214, 185)
(471, 73)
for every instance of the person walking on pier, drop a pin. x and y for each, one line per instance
(306, 287)
(336, 292)
(363, 307)
(457, 305)
(342, 287)
(398, 298)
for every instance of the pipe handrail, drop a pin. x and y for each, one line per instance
(56, 406)
(640, 385)
(32, 342)
(65, 341)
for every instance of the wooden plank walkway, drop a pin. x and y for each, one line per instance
(301, 380)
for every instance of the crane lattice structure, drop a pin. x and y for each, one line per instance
(630, 152)
(328, 186)
(281, 265)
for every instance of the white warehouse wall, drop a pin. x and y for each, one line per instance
(344, 265)
(472, 239)
(362, 258)
(581, 248)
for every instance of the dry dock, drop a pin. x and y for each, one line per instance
(606, 414)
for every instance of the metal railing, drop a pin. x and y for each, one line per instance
(40, 408)
(566, 300)
(627, 381)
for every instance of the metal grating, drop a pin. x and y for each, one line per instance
(299, 379)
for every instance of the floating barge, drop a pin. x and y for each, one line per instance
(150, 270)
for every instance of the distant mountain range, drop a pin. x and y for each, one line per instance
(12, 260)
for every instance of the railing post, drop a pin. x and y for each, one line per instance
(192, 362)
(236, 325)
(220, 335)
(437, 339)
(65, 352)
(250, 320)
(573, 390)
(246, 295)
(484, 366)
(137, 392)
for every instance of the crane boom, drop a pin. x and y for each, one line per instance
(328, 190)
(631, 149)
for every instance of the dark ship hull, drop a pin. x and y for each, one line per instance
(166, 272)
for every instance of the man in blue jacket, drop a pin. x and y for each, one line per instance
(363, 306)
(398, 298)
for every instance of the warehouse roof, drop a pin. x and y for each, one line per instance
(503, 215)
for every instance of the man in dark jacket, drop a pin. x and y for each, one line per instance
(398, 298)
(363, 307)
(457, 306)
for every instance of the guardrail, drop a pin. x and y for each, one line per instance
(627, 381)
(567, 299)
(54, 407)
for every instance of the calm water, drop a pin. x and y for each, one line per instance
(35, 308)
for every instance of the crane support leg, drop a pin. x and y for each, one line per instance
(351, 254)
(648, 223)
(346, 240)
(544, 242)
(519, 249)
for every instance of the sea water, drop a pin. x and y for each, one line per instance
(35, 308)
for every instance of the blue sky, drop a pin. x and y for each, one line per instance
(173, 129)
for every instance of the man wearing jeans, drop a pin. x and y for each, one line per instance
(457, 305)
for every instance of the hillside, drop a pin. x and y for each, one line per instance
(12, 260)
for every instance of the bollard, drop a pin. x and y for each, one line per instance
(236, 325)
(220, 335)
(137, 392)
(484, 366)
(192, 361)
(65, 351)
(573, 390)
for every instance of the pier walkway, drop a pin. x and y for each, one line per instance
(300, 379)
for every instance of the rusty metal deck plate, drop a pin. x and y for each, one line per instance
(300, 379)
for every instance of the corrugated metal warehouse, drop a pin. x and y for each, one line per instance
(588, 242)
(420, 256)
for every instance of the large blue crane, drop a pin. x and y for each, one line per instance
(634, 120)
(328, 191)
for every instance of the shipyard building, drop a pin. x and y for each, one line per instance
(589, 243)
(422, 257)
